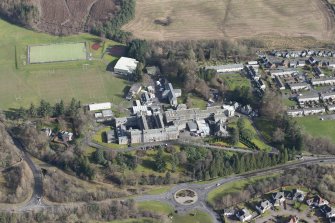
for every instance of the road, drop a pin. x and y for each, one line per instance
(37, 194)
(36, 197)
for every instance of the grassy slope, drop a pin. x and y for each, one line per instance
(232, 187)
(256, 139)
(315, 127)
(30, 83)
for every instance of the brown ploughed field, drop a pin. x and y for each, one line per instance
(72, 16)
(217, 19)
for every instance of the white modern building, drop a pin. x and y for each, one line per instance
(125, 66)
(226, 68)
(100, 106)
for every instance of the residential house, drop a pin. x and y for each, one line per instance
(328, 211)
(229, 212)
(47, 131)
(318, 72)
(243, 215)
(125, 66)
(301, 63)
(278, 198)
(293, 219)
(246, 110)
(317, 201)
(65, 136)
(263, 206)
(312, 61)
(279, 83)
(298, 195)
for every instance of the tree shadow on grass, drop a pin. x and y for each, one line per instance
(150, 164)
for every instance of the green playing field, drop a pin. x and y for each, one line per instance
(57, 52)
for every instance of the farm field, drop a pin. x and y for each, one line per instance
(208, 19)
(57, 52)
(22, 84)
(315, 127)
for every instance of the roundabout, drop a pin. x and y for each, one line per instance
(186, 197)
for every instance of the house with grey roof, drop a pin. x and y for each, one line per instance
(278, 198)
(299, 86)
(282, 72)
(323, 81)
(313, 97)
(263, 206)
(243, 215)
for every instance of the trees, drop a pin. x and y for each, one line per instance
(112, 29)
(160, 163)
(234, 135)
(138, 49)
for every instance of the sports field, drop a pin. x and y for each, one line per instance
(22, 84)
(57, 52)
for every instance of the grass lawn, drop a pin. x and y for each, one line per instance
(316, 127)
(198, 102)
(162, 208)
(155, 206)
(232, 81)
(22, 84)
(233, 187)
(137, 220)
(193, 217)
(289, 103)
